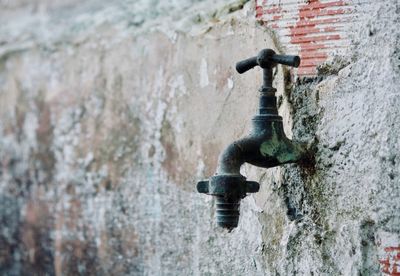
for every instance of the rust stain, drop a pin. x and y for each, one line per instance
(178, 164)
(35, 236)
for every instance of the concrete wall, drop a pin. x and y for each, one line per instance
(110, 113)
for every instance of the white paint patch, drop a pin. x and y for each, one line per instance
(200, 168)
(230, 83)
(177, 85)
(203, 74)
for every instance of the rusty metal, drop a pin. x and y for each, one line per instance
(267, 145)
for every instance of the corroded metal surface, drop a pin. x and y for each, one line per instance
(267, 146)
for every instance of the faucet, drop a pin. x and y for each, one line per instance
(267, 145)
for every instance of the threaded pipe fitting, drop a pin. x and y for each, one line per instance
(228, 190)
(227, 212)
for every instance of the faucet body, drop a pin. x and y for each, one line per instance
(267, 145)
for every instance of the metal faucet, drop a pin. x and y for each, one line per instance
(267, 145)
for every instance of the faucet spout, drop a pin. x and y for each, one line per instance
(266, 149)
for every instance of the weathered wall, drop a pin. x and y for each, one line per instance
(110, 113)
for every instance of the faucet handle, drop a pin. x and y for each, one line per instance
(267, 58)
(246, 65)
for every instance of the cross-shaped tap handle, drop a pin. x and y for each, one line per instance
(267, 59)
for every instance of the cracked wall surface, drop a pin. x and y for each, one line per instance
(111, 112)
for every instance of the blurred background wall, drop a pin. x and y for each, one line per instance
(110, 111)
